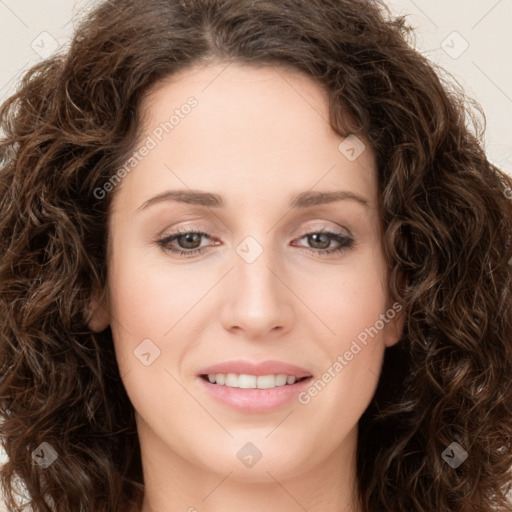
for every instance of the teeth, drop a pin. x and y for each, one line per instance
(266, 382)
(234, 380)
(281, 380)
(244, 381)
(231, 380)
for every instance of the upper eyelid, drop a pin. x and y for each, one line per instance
(206, 232)
(318, 226)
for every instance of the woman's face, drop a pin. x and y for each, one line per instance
(255, 147)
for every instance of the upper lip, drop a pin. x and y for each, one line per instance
(269, 367)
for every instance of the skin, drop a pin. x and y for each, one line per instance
(258, 136)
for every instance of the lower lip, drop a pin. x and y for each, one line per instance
(255, 400)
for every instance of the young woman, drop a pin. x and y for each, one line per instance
(253, 257)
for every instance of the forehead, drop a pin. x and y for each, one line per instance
(253, 132)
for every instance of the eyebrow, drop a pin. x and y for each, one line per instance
(208, 199)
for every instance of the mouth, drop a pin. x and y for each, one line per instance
(248, 381)
(254, 387)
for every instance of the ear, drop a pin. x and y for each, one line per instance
(98, 314)
(395, 324)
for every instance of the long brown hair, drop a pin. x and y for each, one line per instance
(445, 388)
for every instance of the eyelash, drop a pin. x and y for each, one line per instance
(345, 242)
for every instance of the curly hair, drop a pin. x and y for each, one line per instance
(447, 218)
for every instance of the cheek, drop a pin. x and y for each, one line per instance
(352, 300)
(143, 303)
(352, 308)
(148, 294)
(149, 305)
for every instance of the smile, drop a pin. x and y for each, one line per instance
(253, 386)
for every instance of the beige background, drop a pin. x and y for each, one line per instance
(471, 39)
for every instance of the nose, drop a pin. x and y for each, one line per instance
(259, 301)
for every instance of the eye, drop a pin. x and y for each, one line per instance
(322, 239)
(189, 242)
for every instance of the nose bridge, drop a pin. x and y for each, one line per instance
(259, 301)
(253, 269)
